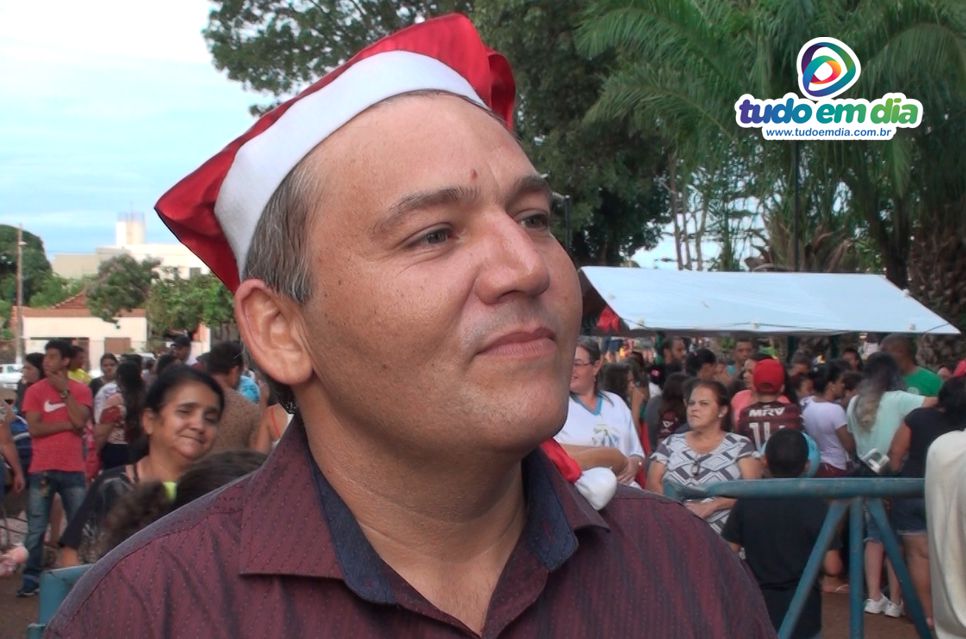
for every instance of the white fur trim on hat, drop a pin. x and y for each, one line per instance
(262, 163)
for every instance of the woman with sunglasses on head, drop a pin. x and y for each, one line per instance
(600, 429)
(706, 454)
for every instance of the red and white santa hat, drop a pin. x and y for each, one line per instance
(215, 209)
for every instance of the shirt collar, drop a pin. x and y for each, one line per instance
(291, 509)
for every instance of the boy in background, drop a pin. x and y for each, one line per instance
(777, 535)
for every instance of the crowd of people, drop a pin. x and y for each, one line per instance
(706, 418)
(116, 452)
(111, 453)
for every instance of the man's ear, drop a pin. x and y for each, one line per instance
(271, 329)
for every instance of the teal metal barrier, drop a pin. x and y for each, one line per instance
(54, 586)
(851, 495)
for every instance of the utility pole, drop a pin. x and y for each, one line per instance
(18, 325)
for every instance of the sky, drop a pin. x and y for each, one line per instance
(104, 105)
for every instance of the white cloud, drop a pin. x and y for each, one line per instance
(104, 31)
(107, 103)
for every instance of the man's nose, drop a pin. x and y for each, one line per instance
(512, 261)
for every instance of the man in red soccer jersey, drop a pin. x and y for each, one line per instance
(769, 414)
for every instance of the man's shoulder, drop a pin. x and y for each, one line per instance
(924, 373)
(79, 389)
(37, 389)
(196, 542)
(647, 513)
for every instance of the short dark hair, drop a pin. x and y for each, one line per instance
(904, 342)
(668, 342)
(164, 362)
(851, 380)
(65, 348)
(133, 357)
(786, 453)
(699, 358)
(826, 374)
(223, 357)
(182, 340)
(111, 357)
(952, 399)
(801, 357)
(76, 349)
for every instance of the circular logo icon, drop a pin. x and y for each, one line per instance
(826, 68)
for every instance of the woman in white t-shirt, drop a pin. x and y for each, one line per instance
(826, 423)
(599, 430)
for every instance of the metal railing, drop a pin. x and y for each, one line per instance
(854, 496)
(55, 585)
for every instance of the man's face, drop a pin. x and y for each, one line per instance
(181, 352)
(706, 372)
(799, 368)
(434, 272)
(677, 352)
(742, 352)
(78, 360)
(852, 359)
(899, 353)
(54, 362)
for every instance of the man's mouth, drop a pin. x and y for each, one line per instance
(531, 341)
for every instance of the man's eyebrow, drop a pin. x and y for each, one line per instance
(422, 200)
(397, 213)
(529, 185)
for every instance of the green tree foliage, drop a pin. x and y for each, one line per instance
(281, 46)
(607, 170)
(122, 284)
(36, 269)
(178, 304)
(55, 289)
(683, 63)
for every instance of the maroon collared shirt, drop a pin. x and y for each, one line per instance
(278, 554)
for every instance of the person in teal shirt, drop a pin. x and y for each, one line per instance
(919, 381)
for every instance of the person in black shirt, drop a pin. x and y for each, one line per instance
(907, 455)
(778, 534)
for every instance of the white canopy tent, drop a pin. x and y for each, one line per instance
(706, 303)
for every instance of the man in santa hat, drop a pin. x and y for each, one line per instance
(389, 247)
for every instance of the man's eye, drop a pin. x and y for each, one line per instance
(536, 221)
(437, 236)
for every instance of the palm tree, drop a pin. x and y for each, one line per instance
(685, 62)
